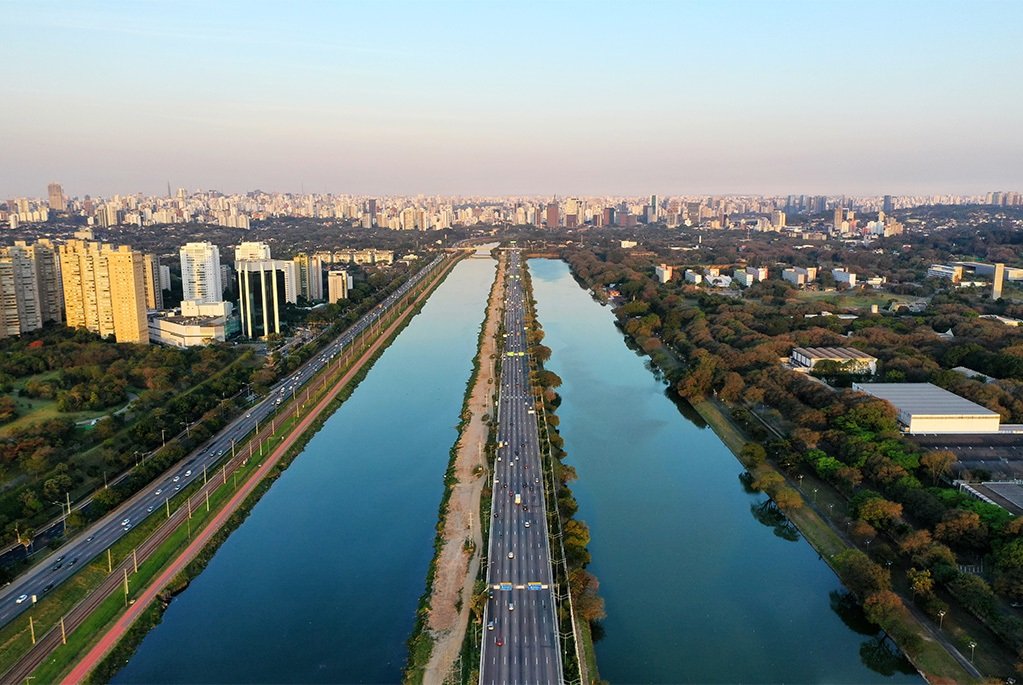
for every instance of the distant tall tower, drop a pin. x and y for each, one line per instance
(553, 218)
(888, 204)
(56, 195)
(839, 218)
(999, 276)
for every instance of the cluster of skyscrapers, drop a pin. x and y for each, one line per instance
(434, 212)
(117, 291)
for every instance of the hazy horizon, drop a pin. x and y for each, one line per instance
(459, 98)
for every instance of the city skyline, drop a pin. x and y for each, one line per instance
(493, 99)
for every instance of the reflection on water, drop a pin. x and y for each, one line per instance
(696, 590)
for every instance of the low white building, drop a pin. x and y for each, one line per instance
(187, 331)
(843, 275)
(853, 360)
(948, 273)
(692, 276)
(743, 277)
(798, 275)
(663, 272)
(926, 408)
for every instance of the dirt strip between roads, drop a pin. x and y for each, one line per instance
(455, 578)
(93, 657)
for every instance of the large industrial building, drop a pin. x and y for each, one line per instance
(926, 408)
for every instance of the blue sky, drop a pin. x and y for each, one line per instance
(512, 97)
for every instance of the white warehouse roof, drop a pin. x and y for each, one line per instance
(926, 408)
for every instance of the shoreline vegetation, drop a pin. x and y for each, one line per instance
(933, 655)
(582, 606)
(57, 665)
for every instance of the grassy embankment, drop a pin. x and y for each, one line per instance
(47, 614)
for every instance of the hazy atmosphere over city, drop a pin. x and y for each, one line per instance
(511, 343)
(512, 97)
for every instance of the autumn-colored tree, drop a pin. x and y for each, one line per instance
(861, 575)
(920, 581)
(880, 607)
(753, 453)
(768, 481)
(915, 541)
(962, 528)
(879, 511)
(731, 388)
(787, 499)
(938, 463)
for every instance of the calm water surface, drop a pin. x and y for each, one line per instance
(321, 582)
(701, 584)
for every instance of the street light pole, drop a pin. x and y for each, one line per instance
(941, 618)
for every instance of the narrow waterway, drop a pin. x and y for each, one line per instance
(321, 582)
(703, 582)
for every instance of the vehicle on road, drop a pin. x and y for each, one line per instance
(490, 625)
(177, 478)
(499, 642)
(511, 606)
(126, 522)
(527, 524)
(21, 599)
(518, 498)
(159, 491)
(511, 555)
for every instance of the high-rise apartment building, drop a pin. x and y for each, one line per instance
(56, 197)
(309, 272)
(104, 289)
(338, 285)
(29, 287)
(251, 250)
(154, 291)
(201, 277)
(888, 205)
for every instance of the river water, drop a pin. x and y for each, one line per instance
(702, 583)
(321, 582)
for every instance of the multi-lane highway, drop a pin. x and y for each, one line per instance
(200, 464)
(520, 643)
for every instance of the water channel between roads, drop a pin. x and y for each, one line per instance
(703, 582)
(321, 582)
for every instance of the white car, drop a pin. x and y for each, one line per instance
(21, 599)
(511, 555)
(125, 522)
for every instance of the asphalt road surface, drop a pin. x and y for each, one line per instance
(200, 464)
(520, 643)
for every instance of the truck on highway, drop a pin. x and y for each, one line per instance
(518, 498)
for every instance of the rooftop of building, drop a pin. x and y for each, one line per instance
(924, 399)
(832, 352)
